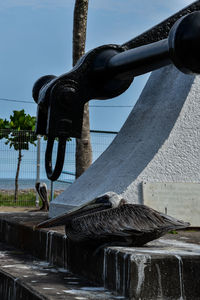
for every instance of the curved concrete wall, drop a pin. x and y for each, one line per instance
(159, 142)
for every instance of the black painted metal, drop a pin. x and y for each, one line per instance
(104, 131)
(141, 60)
(53, 174)
(103, 73)
(184, 44)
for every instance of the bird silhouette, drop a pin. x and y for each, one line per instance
(41, 188)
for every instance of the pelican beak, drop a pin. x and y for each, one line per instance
(82, 210)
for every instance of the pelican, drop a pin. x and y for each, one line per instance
(110, 220)
(41, 188)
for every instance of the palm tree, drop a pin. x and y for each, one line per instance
(83, 145)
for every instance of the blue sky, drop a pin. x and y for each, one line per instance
(36, 39)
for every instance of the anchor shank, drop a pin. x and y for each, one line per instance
(141, 60)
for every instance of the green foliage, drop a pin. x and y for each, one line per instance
(24, 199)
(12, 130)
(20, 121)
(173, 232)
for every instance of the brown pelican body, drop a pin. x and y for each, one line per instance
(41, 188)
(109, 220)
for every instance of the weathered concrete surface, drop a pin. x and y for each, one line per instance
(23, 277)
(159, 142)
(175, 199)
(164, 269)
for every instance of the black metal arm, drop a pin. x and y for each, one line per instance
(104, 73)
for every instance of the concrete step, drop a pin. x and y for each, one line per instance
(23, 277)
(164, 269)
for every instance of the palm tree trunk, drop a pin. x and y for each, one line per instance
(83, 145)
(17, 175)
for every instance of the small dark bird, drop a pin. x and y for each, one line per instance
(41, 188)
(110, 220)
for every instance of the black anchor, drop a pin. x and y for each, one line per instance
(103, 73)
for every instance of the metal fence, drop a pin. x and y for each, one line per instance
(32, 164)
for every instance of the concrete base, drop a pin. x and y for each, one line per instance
(159, 142)
(23, 277)
(164, 269)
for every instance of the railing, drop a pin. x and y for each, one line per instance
(32, 166)
(68, 180)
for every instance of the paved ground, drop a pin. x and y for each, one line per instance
(17, 209)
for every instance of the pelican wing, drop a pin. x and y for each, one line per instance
(126, 221)
(41, 188)
(43, 193)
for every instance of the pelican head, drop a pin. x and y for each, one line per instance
(102, 202)
(110, 199)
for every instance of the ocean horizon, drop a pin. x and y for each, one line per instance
(9, 184)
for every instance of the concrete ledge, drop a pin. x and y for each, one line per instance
(23, 277)
(164, 269)
(11, 289)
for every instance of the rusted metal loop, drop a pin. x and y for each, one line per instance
(54, 174)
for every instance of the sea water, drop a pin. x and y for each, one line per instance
(25, 184)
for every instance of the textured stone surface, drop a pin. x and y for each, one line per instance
(159, 142)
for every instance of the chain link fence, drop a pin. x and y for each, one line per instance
(30, 149)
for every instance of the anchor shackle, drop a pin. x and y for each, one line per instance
(61, 102)
(103, 73)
